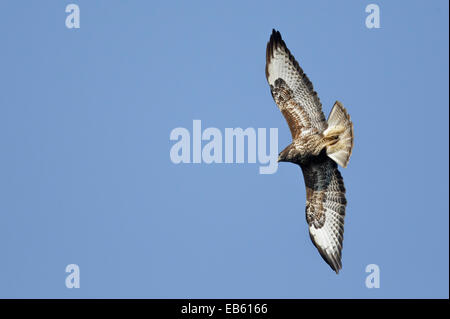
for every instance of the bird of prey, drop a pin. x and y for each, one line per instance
(318, 145)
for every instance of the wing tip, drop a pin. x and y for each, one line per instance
(334, 262)
(275, 36)
(333, 259)
(338, 266)
(275, 41)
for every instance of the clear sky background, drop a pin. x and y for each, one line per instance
(86, 177)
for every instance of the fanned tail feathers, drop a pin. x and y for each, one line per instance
(340, 133)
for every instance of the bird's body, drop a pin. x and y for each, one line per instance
(317, 147)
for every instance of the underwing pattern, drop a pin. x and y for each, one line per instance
(317, 147)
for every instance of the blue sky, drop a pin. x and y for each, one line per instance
(86, 177)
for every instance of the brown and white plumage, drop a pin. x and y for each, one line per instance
(325, 208)
(317, 145)
(280, 64)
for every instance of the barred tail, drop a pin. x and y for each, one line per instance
(339, 135)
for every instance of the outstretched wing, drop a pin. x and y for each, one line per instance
(325, 208)
(291, 89)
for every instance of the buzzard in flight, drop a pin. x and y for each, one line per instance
(317, 147)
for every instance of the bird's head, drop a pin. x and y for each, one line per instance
(281, 157)
(285, 155)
